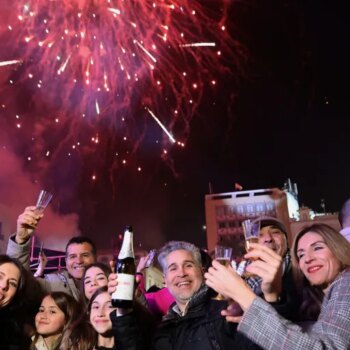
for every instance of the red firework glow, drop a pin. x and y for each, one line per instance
(127, 62)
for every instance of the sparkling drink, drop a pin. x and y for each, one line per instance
(224, 262)
(223, 256)
(249, 248)
(249, 241)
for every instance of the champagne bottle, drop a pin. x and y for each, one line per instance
(125, 268)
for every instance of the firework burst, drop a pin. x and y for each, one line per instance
(126, 62)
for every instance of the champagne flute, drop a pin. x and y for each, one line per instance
(223, 256)
(251, 231)
(43, 201)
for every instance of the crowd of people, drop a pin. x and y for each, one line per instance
(294, 298)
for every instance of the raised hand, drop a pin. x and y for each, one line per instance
(27, 223)
(227, 282)
(42, 264)
(268, 265)
(112, 283)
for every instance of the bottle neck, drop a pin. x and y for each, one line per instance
(127, 249)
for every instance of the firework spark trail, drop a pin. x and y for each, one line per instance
(161, 125)
(9, 63)
(109, 59)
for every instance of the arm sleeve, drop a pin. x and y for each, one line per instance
(262, 324)
(19, 251)
(133, 331)
(127, 332)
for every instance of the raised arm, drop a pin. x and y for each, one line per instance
(19, 243)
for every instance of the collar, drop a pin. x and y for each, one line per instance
(197, 298)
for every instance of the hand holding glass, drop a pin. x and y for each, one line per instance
(251, 231)
(223, 256)
(43, 201)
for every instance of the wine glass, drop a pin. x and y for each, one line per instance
(43, 201)
(251, 231)
(223, 256)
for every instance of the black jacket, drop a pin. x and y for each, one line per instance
(201, 328)
(133, 331)
(11, 330)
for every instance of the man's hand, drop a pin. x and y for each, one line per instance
(42, 264)
(268, 266)
(26, 224)
(233, 313)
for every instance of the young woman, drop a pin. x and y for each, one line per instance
(59, 325)
(95, 276)
(100, 308)
(118, 329)
(321, 259)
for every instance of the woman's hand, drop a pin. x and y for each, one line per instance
(112, 283)
(227, 282)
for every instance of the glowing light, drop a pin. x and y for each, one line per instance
(110, 64)
(161, 125)
(97, 107)
(199, 45)
(9, 63)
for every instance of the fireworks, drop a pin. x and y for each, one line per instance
(125, 63)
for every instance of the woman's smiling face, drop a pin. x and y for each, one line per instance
(94, 278)
(101, 307)
(317, 262)
(9, 281)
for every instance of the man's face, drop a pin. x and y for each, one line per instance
(274, 238)
(78, 257)
(183, 276)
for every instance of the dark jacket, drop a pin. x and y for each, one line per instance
(11, 330)
(134, 330)
(289, 302)
(201, 328)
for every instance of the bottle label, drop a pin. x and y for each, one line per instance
(125, 287)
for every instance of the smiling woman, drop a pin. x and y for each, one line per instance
(94, 277)
(321, 261)
(320, 254)
(12, 285)
(117, 329)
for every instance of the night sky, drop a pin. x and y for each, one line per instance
(284, 115)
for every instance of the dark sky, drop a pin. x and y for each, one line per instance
(290, 117)
(285, 116)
